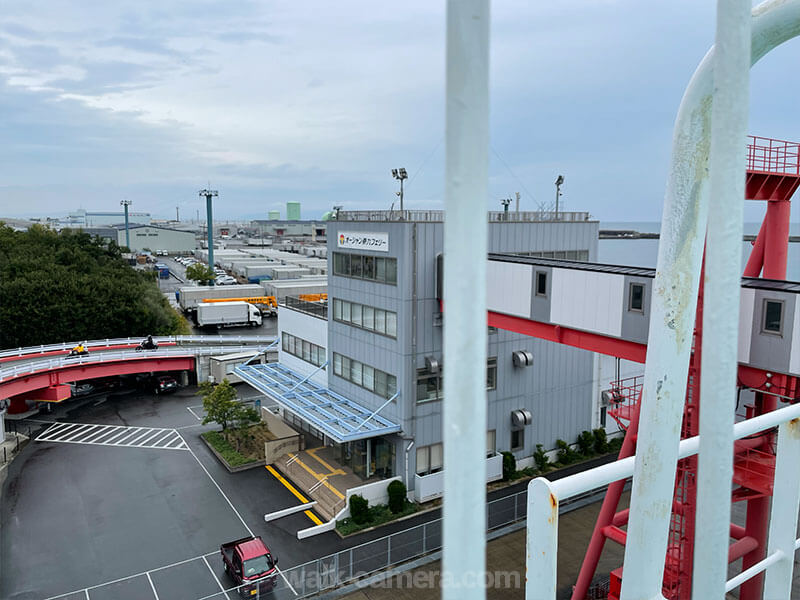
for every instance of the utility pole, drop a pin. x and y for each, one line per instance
(177, 215)
(208, 194)
(517, 195)
(126, 204)
(559, 182)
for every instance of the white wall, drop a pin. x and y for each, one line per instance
(587, 300)
(510, 285)
(306, 327)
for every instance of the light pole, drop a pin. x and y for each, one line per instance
(559, 182)
(126, 204)
(505, 202)
(401, 175)
(208, 194)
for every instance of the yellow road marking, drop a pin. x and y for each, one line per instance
(292, 489)
(332, 471)
(319, 478)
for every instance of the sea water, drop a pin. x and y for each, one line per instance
(644, 253)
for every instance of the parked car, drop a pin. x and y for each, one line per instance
(163, 384)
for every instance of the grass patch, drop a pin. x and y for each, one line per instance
(378, 515)
(228, 452)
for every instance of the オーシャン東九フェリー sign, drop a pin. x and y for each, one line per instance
(359, 240)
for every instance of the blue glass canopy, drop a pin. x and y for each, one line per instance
(336, 416)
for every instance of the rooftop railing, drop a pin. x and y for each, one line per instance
(317, 309)
(437, 216)
(773, 156)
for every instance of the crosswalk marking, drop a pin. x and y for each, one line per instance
(114, 435)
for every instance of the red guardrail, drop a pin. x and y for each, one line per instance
(773, 156)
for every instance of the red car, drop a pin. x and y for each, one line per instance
(251, 565)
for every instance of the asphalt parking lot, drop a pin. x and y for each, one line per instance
(123, 500)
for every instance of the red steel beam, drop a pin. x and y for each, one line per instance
(584, 340)
(69, 373)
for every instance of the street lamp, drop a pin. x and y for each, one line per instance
(505, 202)
(126, 204)
(559, 182)
(401, 175)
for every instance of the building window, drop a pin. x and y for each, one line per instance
(636, 299)
(376, 381)
(367, 267)
(491, 373)
(303, 349)
(429, 459)
(431, 386)
(365, 317)
(773, 316)
(568, 254)
(428, 386)
(603, 413)
(491, 437)
(541, 283)
(492, 330)
(517, 439)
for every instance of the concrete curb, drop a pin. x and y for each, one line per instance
(240, 468)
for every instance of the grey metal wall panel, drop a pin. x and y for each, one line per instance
(635, 325)
(769, 350)
(540, 305)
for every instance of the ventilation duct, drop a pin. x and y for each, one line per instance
(522, 358)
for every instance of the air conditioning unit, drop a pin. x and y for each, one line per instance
(610, 397)
(522, 358)
(521, 417)
(432, 365)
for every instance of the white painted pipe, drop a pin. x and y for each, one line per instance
(673, 304)
(465, 334)
(729, 112)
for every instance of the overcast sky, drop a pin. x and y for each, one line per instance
(317, 102)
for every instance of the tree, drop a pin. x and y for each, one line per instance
(200, 273)
(221, 406)
(68, 285)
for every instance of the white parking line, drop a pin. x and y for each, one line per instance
(194, 414)
(214, 575)
(155, 593)
(134, 576)
(202, 466)
(114, 435)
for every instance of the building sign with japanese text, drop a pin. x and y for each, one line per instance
(359, 240)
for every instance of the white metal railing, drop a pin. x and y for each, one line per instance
(63, 361)
(131, 341)
(437, 216)
(544, 498)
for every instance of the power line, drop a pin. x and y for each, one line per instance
(519, 181)
(424, 162)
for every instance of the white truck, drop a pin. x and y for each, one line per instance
(227, 314)
(189, 297)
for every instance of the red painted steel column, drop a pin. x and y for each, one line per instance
(606, 516)
(756, 259)
(757, 522)
(17, 405)
(776, 248)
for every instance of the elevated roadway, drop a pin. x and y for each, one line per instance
(45, 372)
